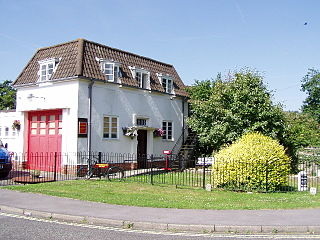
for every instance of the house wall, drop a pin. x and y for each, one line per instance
(126, 103)
(108, 99)
(12, 137)
(57, 95)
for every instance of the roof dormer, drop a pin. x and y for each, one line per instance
(111, 69)
(167, 82)
(47, 68)
(142, 77)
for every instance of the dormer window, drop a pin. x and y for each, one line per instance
(142, 79)
(110, 69)
(167, 85)
(142, 76)
(47, 68)
(166, 82)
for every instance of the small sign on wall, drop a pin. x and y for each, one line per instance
(82, 127)
(167, 152)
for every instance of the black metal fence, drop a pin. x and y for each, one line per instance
(28, 168)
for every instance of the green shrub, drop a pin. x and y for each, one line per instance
(254, 162)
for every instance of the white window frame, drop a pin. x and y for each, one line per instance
(164, 80)
(14, 132)
(142, 76)
(165, 126)
(47, 68)
(140, 119)
(115, 71)
(115, 74)
(6, 131)
(168, 87)
(109, 128)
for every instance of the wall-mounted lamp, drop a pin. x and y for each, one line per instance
(30, 96)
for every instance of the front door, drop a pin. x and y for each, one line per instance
(142, 148)
(44, 139)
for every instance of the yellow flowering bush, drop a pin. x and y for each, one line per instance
(254, 162)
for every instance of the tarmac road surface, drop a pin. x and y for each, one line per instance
(16, 227)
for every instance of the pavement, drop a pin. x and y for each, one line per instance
(162, 219)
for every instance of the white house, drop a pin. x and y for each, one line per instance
(84, 96)
(9, 134)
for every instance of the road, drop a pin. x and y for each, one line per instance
(16, 227)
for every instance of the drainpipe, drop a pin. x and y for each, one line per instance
(183, 124)
(89, 115)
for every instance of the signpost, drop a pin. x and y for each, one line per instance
(302, 181)
(313, 191)
(167, 153)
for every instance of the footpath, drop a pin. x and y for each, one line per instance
(145, 218)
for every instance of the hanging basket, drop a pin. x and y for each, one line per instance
(158, 132)
(130, 132)
(16, 125)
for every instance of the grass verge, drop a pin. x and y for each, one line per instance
(166, 196)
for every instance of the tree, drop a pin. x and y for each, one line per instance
(7, 95)
(229, 108)
(302, 130)
(311, 85)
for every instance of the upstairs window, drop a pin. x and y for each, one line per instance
(166, 82)
(142, 79)
(47, 68)
(110, 69)
(142, 76)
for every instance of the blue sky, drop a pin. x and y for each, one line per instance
(200, 38)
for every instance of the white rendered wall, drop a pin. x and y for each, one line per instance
(113, 100)
(108, 99)
(58, 95)
(13, 138)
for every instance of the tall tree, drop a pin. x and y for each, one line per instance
(302, 130)
(223, 110)
(7, 95)
(311, 85)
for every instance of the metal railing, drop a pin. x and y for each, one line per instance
(161, 169)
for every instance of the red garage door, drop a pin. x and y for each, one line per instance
(45, 129)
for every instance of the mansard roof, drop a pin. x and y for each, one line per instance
(78, 58)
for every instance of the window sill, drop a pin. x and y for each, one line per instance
(110, 139)
(167, 140)
(45, 83)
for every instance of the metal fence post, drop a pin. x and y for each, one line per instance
(55, 167)
(99, 161)
(204, 173)
(151, 165)
(99, 157)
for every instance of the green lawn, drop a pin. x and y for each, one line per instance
(166, 196)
